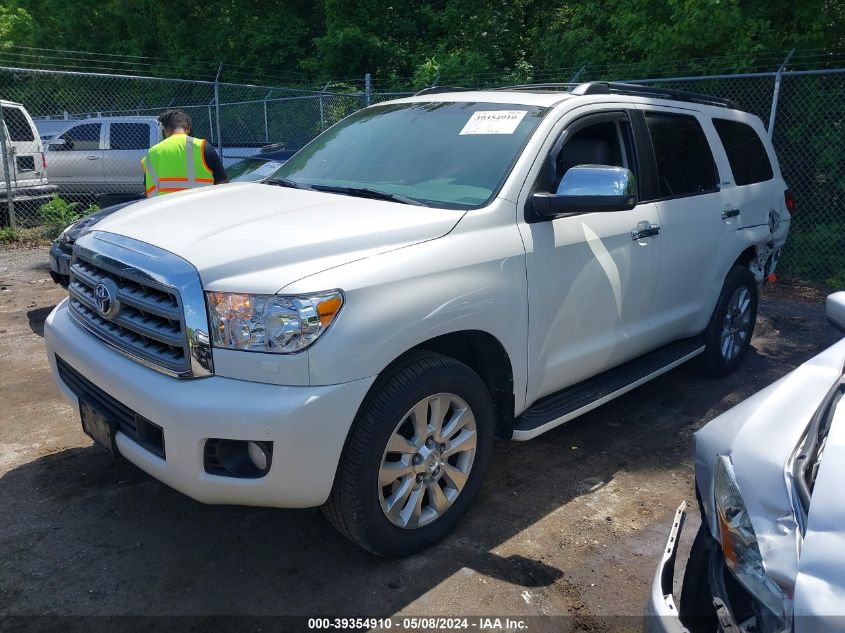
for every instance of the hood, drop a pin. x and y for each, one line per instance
(82, 226)
(248, 237)
(761, 435)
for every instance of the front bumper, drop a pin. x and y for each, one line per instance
(307, 425)
(26, 194)
(661, 615)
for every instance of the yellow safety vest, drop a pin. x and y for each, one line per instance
(175, 164)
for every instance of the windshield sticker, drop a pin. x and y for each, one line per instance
(267, 168)
(494, 122)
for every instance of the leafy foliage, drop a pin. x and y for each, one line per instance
(58, 213)
(419, 40)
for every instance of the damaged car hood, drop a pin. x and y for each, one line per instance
(820, 587)
(250, 237)
(760, 435)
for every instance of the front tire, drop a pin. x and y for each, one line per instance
(415, 458)
(728, 335)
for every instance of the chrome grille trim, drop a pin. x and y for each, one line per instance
(161, 322)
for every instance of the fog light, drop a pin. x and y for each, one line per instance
(257, 455)
(237, 458)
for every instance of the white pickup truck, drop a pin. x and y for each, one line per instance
(426, 275)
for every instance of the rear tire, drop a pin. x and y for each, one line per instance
(415, 458)
(728, 335)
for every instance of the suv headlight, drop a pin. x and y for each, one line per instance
(63, 235)
(739, 543)
(270, 323)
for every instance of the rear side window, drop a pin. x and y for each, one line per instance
(685, 164)
(83, 137)
(18, 126)
(130, 136)
(746, 152)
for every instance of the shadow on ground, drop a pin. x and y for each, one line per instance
(83, 533)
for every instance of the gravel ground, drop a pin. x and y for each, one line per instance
(571, 523)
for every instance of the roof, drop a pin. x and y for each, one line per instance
(543, 99)
(552, 94)
(98, 119)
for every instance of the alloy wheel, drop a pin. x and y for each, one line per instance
(736, 324)
(427, 461)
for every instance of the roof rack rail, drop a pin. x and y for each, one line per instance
(612, 87)
(436, 90)
(547, 87)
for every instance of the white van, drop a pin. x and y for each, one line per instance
(24, 157)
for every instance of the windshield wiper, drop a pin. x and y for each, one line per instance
(286, 182)
(364, 192)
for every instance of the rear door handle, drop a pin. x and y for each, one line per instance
(730, 212)
(648, 231)
(93, 157)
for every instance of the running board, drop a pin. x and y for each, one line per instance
(569, 403)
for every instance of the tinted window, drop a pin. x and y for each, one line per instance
(685, 163)
(18, 126)
(452, 155)
(129, 136)
(83, 137)
(746, 153)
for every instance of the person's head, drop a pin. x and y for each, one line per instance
(174, 122)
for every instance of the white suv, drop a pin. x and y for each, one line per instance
(426, 275)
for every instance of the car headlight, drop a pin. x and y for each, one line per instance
(63, 235)
(77, 227)
(739, 543)
(270, 323)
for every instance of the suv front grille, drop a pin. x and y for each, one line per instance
(147, 326)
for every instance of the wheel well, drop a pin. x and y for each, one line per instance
(746, 257)
(484, 354)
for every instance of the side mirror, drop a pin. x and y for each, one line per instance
(588, 189)
(58, 143)
(835, 309)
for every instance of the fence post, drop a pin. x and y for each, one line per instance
(577, 74)
(322, 111)
(217, 110)
(210, 124)
(4, 147)
(368, 88)
(776, 95)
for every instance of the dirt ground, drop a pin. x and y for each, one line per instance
(571, 523)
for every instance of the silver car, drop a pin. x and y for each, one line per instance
(770, 554)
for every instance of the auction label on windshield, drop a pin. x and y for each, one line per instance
(493, 122)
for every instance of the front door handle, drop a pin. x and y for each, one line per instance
(648, 231)
(93, 157)
(730, 212)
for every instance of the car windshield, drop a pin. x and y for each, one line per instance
(252, 169)
(451, 155)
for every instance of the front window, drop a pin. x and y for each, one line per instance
(452, 155)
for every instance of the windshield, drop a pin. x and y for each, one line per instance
(452, 155)
(252, 169)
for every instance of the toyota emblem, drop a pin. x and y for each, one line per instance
(104, 295)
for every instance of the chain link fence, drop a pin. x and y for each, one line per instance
(91, 130)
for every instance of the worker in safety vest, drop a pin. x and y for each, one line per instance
(180, 161)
